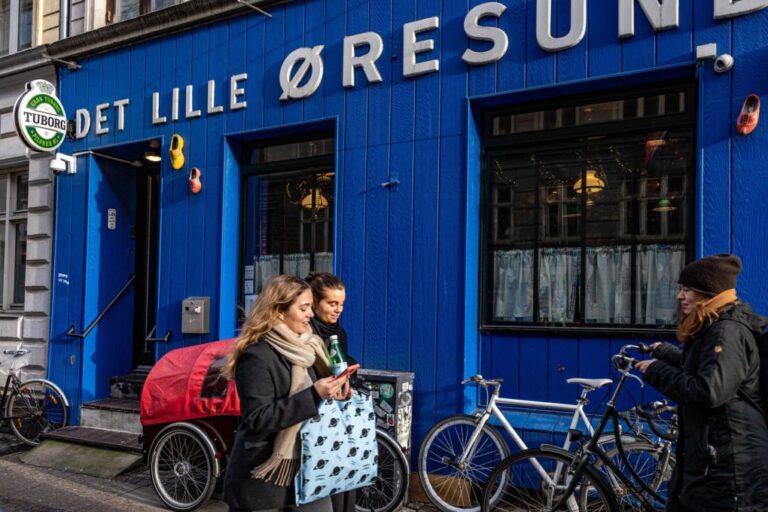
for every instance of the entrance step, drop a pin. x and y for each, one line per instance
(112, 414)
(77, 457)
(129, 386)
(98, 437)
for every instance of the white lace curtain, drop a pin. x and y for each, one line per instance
(608, 284)
(268, 266)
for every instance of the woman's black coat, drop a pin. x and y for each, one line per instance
(722, 451)
(263, 382)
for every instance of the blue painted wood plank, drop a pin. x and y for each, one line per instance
(255, 66)
(512, 69)
(237, 47)
(425, 343)
(376, 257)
(355, 132)
(503, 352)
(594, 363)
(314, 22)
(426, 102)
(135, 114)
(563, 364)
(534, 364)
(604, 50)
(450, 278)
(379, 95)
(676, 45)
(639, 52)
(293, 111)
(540, 65)
(399, 264)
(571, 63)
(453, 79)
(713, 142)
(350, 260)
(335, 30)
(403, 90)
(749, 185)
(482, 79)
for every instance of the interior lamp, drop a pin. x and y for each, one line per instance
(595, 184)
(664, 205)
(320, 201)
(152, 156)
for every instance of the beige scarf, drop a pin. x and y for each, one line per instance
(302, 351)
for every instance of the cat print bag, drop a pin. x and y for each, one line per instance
(338, 449)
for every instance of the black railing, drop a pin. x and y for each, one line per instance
(71, 331)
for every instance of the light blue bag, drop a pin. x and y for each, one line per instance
(338, 449)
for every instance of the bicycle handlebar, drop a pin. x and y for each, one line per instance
(480, 381)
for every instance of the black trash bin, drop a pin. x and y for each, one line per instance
(392, 394)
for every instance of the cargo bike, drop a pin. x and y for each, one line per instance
(189, 415)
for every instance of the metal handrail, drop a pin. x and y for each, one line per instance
(164, 339)
(71, 331)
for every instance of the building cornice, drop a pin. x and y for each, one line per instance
(151, 25)
(23, 61)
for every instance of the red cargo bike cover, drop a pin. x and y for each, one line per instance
(186, 384)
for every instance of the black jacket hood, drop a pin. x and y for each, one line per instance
(744, 314)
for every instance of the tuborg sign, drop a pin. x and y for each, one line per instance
(40, 118)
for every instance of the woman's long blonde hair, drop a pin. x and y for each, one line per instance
(704, 312)
(273, 300)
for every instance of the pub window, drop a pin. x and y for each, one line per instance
(288, 212)
(13, 237)
(587, 216)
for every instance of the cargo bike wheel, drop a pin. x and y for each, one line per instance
(388, 492)
(183, 466)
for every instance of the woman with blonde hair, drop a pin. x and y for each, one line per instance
(282, 374)
(722, 444)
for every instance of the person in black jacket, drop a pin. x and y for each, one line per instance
(722, 449)
(282, 374)
(329, 294)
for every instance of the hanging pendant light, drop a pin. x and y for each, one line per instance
(595, 183)
(664, 205)
(320, 201)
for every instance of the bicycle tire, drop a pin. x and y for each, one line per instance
(644, 457)
(182, 468)
(33, 408)
(518, 486)
(390, 488)
(448, 487)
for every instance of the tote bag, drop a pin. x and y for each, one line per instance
(338, 449)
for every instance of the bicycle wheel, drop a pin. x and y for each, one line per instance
(535, 480)
(644, 457)
(390, 488)
(34, 408)
(454, 487)
(182, 469)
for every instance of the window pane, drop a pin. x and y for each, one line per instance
(25, 24)
(288, 226)
(559, 278)
(5, 25)
(658, 267)
(2, 263)
(19, 264)
(127, 9)
(3, 194)
(22, 192)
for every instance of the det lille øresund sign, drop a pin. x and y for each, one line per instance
(40, 118)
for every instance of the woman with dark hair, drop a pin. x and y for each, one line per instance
(329, 295)
(722, 444)
(282, 374)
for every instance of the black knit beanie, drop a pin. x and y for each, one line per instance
(711, 275)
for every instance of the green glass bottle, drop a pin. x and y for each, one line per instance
(337, 359)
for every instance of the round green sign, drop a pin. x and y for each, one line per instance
(40, 118)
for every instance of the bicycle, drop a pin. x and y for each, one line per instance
(390, 488)
(459, 452)
(32, 407)
(549, 478)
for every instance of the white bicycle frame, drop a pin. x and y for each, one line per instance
(493, 409)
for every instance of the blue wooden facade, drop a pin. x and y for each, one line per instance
(409, 254)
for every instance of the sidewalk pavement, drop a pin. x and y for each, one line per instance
(27, 488)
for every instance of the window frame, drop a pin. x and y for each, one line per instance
(10, 219)
(288, 167)
(14, 28)
(492, 144)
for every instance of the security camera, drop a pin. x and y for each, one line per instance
(723, 63)
(63, 164)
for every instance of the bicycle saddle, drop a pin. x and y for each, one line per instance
(590, 384)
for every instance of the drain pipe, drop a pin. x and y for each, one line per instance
(64, 6)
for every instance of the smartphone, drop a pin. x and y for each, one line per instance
(349, 371)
